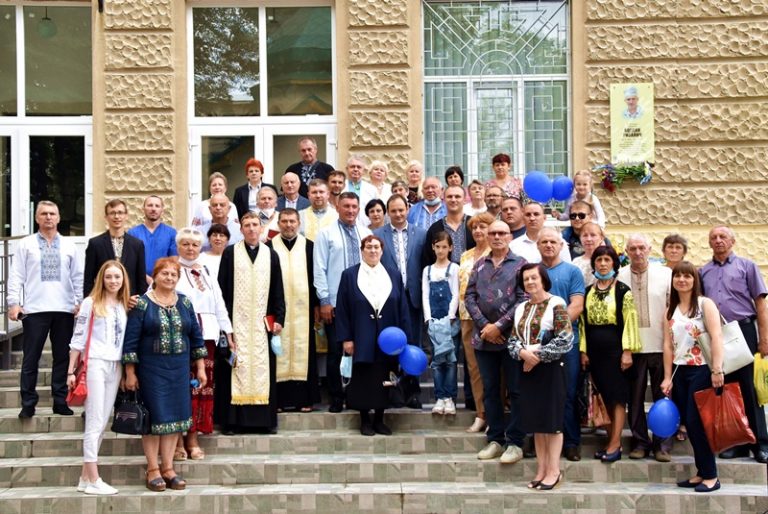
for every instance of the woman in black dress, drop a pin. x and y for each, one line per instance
(370, 299)
(611, 334)
(541, 335)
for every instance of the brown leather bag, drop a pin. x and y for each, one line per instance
(597, 413)
(722, 414)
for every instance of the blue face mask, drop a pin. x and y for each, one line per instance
(345, 367)
(607, 276)
(432, 203)
(277, 345)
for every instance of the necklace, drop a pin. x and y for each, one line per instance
(169, 302)
(601, 293)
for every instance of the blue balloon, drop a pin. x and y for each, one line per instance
(538, 186)
(664, 418)
(562, 187)
(392, 341)
(413, 360)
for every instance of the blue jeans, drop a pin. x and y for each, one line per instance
(571, 421)
(445, 380)
(491, 365)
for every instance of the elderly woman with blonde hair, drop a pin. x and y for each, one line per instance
(378, 173)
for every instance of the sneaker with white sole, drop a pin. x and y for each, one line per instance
(82, 484)
(450, 408)
(512, 454)
(491, 451)
(100, 487)
(439, 407)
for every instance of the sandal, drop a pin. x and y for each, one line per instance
(175, 482)
(306, 409)
(682, 434)
(180, 454)
(156, 484)
(196, 453)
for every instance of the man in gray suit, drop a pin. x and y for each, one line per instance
(403, 246)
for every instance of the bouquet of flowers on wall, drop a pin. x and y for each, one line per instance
(613, 175)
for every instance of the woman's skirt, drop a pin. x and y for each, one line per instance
(604, 351)
(202, 400)
(165, 389)
(366, 388)
(542, 398)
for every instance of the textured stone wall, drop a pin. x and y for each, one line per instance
(380, 99)
(708, 60)
(135, 130)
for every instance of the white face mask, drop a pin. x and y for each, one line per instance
(186, 262)
(267, 212)
(277, 345)
(345, 367)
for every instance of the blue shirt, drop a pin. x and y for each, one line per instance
(420, 216)
(567, 281)
(157, 244)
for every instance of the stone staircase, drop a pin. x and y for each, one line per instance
(319, 462)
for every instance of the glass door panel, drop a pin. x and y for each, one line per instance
(496, 125)
(5, 186)
(227, 155)
(57, 173)
(8, 97)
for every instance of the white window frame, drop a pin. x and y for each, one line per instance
(21, 127)
(262, 127)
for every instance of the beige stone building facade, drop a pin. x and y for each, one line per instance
(708, 60)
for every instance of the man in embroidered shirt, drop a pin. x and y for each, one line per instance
(251, 280)
(297, 383)
(337, 248)
(364, 190)
(115, 243)
(649, 283)
(309, 168)
(424, 213)
(219, 206)
(491, 297)
(567, 283)
(159, 239)
(455, 224)
(49, 271)
(320, 214)
(736, 286)
(525, 245)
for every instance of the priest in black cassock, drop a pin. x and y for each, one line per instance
(297, 383)
(245, 399)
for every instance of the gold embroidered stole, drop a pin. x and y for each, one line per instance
(250, 377)
(293, 363)
(313, 224)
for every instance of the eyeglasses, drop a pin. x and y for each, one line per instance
(498, 234)
(116, 213)
(580, 215)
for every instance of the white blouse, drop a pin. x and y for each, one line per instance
(107, 333)
(205, 294)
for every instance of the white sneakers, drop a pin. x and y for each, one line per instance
(509, 456)
(491, 451)
(82, 484)
(98, 487)
(444, 406)
(450, 408)
(512, 454)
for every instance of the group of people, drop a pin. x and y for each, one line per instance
(236, 317)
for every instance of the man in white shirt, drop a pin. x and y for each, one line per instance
(320, 213)
(650, 283)
(525, 245)
(50, 272)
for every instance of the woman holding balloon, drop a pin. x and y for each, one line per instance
(689, 314)
(370, 299)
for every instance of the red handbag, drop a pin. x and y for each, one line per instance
(77, 395)
(723, 417)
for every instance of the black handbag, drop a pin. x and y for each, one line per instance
(131, 416)
(222, 345)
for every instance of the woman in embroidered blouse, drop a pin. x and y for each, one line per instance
(103, 314)
(591, 237)
(541, 335)
(502, 165)
(608, 336)
(161, 338)
(201, 287)
(478, 225)
(689, 314)
(370, 299)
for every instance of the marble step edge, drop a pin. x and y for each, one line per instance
(394, 498)
(303, 469)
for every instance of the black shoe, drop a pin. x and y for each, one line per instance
(734, 453)
(228, 430)
(611, 457)
(761, 456)
(599, 454)
(701, 488)
(413, 403)
(63, 410)
(336, 406)
(380, 428)
(573, 454)
(688, 484)
(27, 412)
(367, 429)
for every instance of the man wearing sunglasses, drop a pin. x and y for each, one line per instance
(581, 213)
